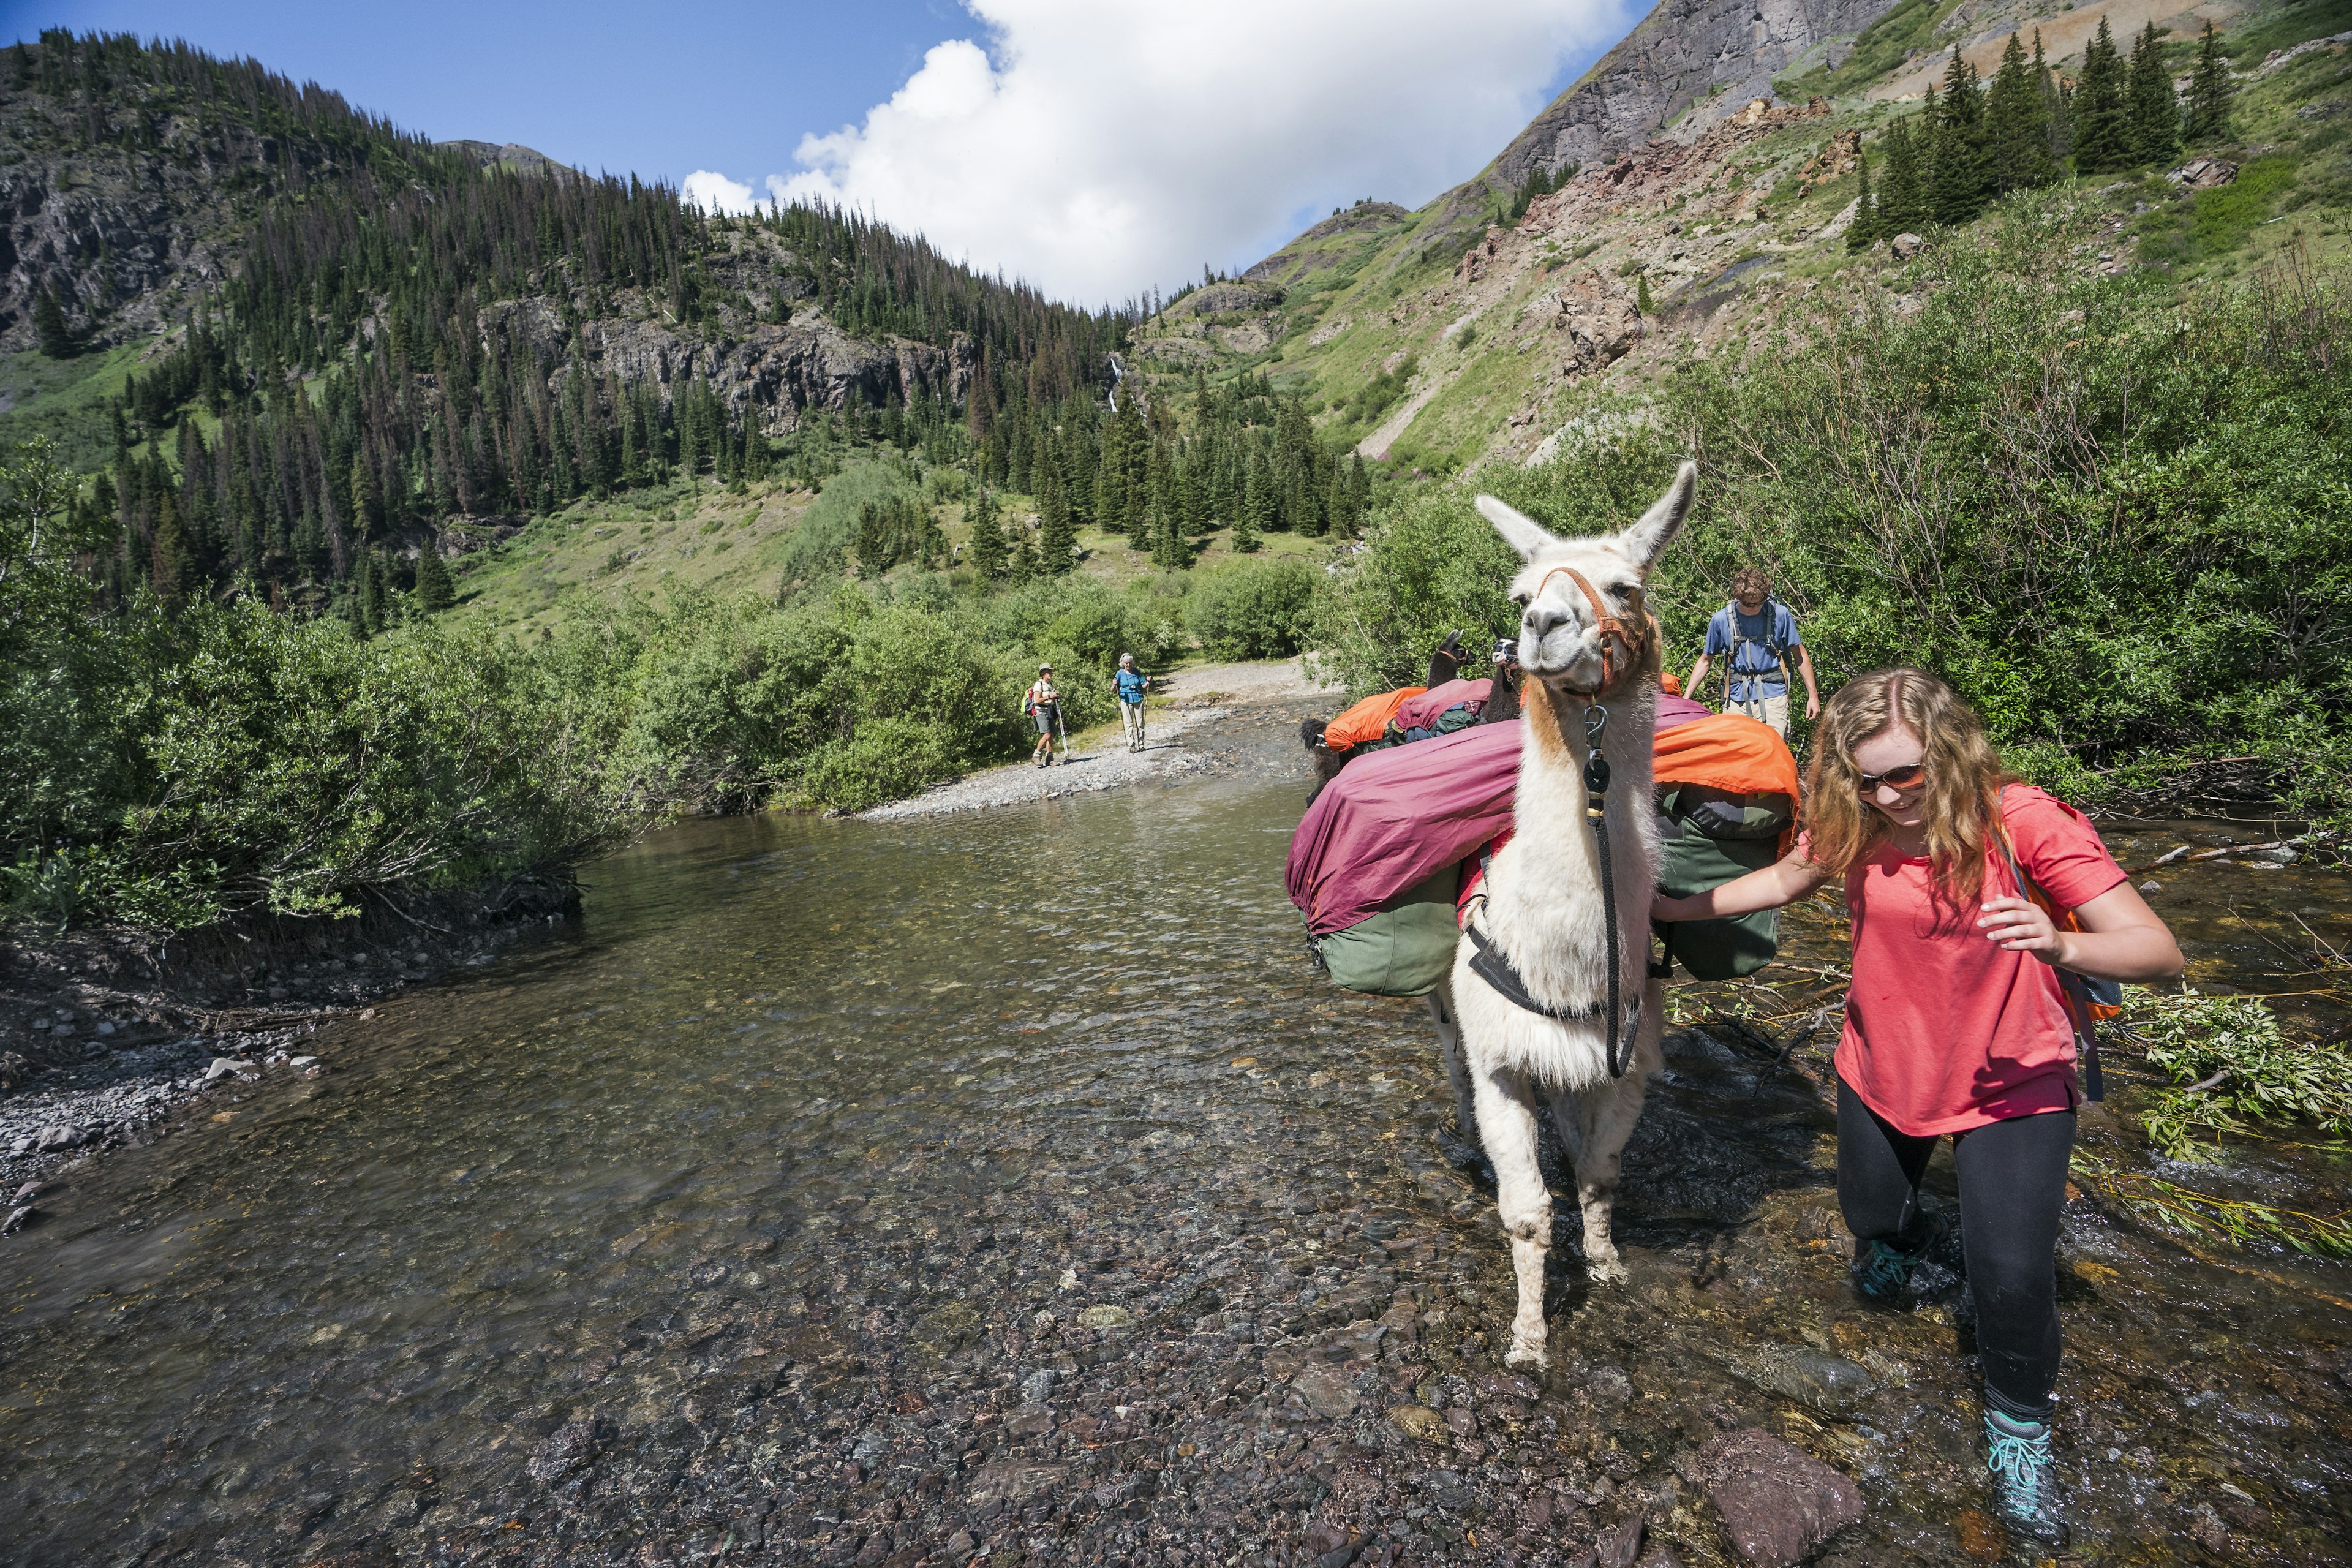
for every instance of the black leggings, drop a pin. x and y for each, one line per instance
(2012, 1184)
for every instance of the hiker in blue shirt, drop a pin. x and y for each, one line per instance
(1759, 634)
(1132, 684)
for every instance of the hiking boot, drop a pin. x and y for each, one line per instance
(1882, 1271)
(2025, 1476)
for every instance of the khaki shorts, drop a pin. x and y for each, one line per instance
(1773, 710)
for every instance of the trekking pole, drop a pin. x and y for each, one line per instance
(1065, 729)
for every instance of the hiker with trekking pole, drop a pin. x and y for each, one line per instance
(1042, 703)
(1755, 632)
(1132, 684)
(1991, 930)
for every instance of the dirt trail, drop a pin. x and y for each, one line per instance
(1188, 701)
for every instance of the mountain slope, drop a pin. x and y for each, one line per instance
(1433, 344)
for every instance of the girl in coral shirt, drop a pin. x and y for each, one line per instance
(1955, 1024)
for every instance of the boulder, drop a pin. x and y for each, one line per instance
(1600, 320)
(59, 1137)
(1905, 246)
(1777, 1503)
(2204, 173)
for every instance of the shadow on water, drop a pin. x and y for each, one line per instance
(874, 1193)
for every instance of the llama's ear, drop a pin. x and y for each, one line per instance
(1646, 539)
(1521, 532)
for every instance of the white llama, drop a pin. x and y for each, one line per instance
(1590, 652)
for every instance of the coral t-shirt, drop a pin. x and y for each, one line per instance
(1943, 1030)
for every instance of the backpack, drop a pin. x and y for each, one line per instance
(1391, 848)
(2088, 1002)
(1769, 642)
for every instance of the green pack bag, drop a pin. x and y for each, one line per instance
(1709, 838)
(1404, 950)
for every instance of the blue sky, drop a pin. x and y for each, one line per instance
(1096, 146)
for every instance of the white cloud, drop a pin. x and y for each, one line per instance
(1095, 147)
(714, 192)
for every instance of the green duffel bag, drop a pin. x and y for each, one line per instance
(1707, 837)
(1404, 950)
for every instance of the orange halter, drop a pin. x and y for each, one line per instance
(1613, 633)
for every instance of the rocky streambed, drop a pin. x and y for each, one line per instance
(1006, 1187)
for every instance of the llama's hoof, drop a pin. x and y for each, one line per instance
(1522, 1354)
(1606, 1271)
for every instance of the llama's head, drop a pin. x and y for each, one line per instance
(1560, 639)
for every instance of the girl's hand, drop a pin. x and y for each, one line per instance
(1669, 911)
(2020, 925)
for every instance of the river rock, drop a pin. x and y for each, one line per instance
(1777, 1503)
(59, 1137)
(18, 1218)
(567, 1448)
(1012, 1480)
(1830, 1384)
(1419, 1421)
(223, 1065)
(1618, 1546)
(1106, 1318)
(1327, 1392)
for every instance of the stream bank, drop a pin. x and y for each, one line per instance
(106, 1035)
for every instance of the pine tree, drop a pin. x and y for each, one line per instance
(1169, 551)
(171, 567)
(1863, 229)
(2155, 109)
(49, 325)
(2055, 110)
(1058, 537)
(2209, 89)
(1244, 534)
(2102, 124)
(2017, 125)
(1960, 172)
(989, 557)
(1902, 194)
(1641, 302)
(435, 593)
(367, 596)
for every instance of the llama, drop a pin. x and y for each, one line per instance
(1587, 643)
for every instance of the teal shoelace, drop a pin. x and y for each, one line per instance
(2023, 1465)
(1884, 1272)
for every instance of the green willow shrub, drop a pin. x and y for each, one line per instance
(1253, 609)
(288, 766)
(2114, 518)
(1431, 565)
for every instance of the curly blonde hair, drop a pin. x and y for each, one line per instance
(1964, 781)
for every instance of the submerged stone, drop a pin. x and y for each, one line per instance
(1777, 1503)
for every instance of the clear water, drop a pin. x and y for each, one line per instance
(847, 1192)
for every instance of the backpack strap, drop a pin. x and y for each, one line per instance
(2081, 1001)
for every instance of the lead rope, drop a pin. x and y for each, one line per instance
(1596, 803)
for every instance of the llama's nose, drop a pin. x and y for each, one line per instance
(1540, 618)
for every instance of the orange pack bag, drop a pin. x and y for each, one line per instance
(1368, 719)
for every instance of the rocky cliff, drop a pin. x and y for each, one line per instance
(1686, 53)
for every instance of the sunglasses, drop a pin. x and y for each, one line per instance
(1904, 777)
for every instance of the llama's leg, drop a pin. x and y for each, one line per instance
(1506, 1119)
(1449, 1046)
(1595, 1123)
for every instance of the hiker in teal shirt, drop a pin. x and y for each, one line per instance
(1132, 684)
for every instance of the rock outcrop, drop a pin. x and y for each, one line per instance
(1685, 52)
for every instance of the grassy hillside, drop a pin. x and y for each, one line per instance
(1734, 227)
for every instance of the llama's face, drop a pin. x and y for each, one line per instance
(1559, 636)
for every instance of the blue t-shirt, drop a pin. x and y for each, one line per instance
(1751, 665)
(1131, 685)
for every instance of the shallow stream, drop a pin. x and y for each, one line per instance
(887, 1193)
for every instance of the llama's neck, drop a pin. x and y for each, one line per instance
(1552, 841)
